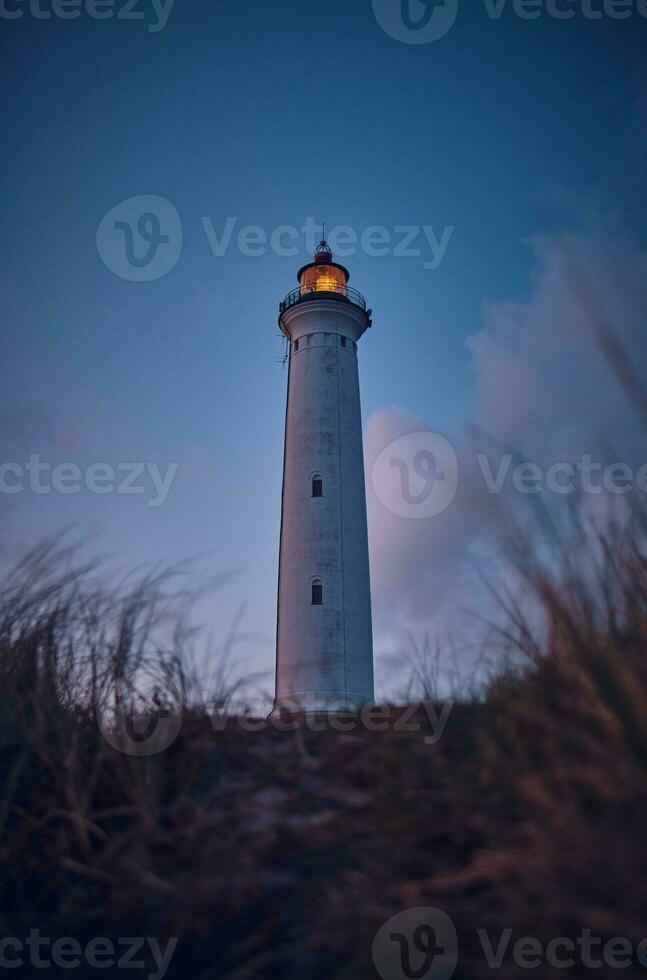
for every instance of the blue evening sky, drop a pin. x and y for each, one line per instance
(270, 112)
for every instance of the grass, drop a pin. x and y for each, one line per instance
(280, 853)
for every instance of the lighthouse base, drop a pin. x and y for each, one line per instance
(331, 703)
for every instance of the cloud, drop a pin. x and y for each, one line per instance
(545, 391)
(542, 382)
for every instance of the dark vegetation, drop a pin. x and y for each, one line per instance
(280, 853)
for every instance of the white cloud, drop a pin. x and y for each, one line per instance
(545, 390)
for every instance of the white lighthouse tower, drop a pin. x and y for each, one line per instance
(324, 657)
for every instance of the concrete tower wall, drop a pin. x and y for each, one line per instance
(324, 653)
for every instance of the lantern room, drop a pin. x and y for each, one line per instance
(323, 275)
(323, 279)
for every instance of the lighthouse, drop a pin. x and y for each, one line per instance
(324, 656)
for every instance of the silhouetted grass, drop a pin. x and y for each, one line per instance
(280, 853)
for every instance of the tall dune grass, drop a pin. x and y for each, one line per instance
(276, 854)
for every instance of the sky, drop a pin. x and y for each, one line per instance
(483, 174)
